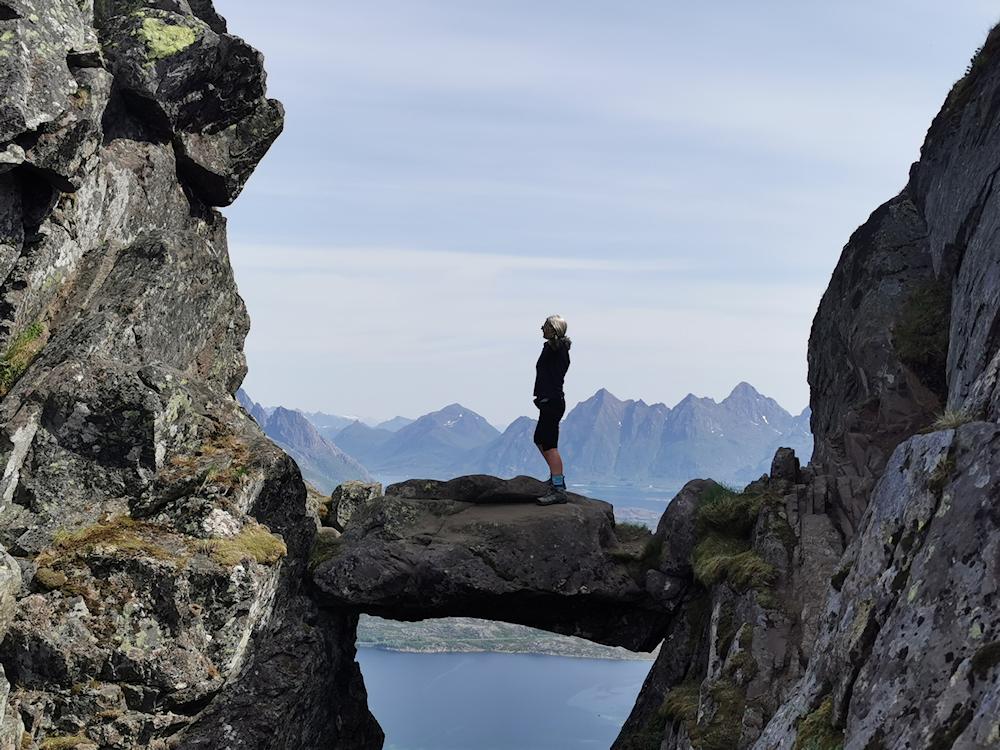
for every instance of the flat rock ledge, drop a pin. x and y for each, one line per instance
(479, 546)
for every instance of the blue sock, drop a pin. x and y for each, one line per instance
(558, 480)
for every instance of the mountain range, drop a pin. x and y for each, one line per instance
(323, 464)
(602, 439)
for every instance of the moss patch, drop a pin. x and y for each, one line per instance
(638, 559)
(742, 667)
(254, 542)
(20, 354)
(318, 501)
(725, 629)
(65, 742)
(816, 731)
(50, 579)
(165, 39)
(121, 535)
(721, 730)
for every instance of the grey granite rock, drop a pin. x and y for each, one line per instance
(733, 651)
(909, 646)
(161, 538)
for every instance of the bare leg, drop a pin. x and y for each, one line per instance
(553, 459)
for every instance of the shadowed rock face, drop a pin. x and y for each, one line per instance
(478, 546)
(155, 542)
(910, 324)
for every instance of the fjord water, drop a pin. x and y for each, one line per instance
(499, 701)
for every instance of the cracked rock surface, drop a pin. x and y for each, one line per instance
(152, 541)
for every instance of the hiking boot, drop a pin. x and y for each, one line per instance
(554, 496)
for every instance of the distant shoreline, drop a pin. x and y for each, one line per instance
(626, 656)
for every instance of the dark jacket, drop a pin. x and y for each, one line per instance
(551, 369)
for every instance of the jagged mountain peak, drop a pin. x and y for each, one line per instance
(744, 390)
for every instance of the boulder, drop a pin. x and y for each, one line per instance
(347, 499)
(478, 546)
(785, 466)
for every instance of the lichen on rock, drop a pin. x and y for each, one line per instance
(154, 542)
(165, 39)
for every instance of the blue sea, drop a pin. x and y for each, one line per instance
(499, 701)
(638, 504)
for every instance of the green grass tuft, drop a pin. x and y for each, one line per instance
(65, 742)
(816, 731)
(719, 558)
(631, 532)
(121, 535)
(728, 510)
(20, 354)
(681, 703)
(951, 419)
(651, 553)
(960, 93)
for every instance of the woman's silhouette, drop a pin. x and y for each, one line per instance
(550, 370)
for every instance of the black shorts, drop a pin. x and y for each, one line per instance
(547, 431)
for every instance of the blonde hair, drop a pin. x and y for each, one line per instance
(558, 324)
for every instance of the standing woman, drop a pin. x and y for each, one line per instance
(551, 402)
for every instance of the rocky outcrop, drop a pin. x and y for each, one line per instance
(897, 642)
(761, 560)
(478, 546)
(909, 325)
(876, 352)
(151, 593)
(908, 653)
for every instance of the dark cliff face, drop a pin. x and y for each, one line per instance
(154, 539)
(910, 324)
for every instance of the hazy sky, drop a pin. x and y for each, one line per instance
(675, 179)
